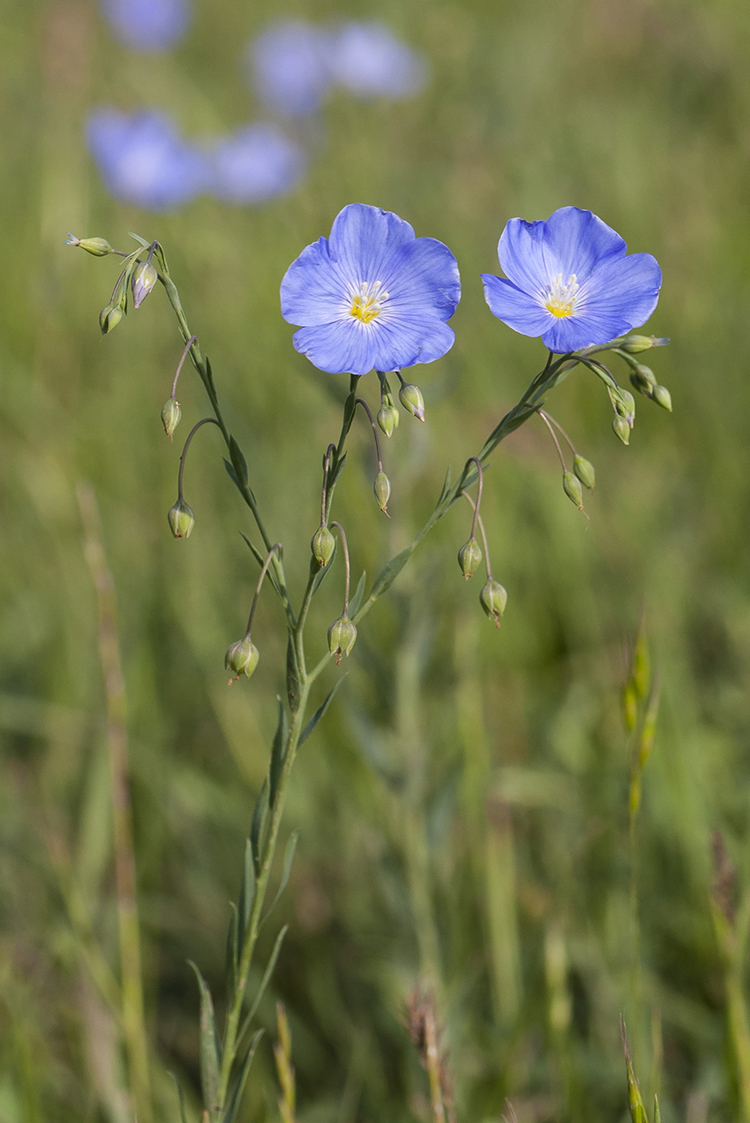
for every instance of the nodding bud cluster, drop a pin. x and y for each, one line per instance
(621, 429)
(170, 416)
(572, 488)
(241, 658)
(110, 316)
(144, 279)
(382, 489)
(99, 247)
(634, 344)
(493, 599)
(411, 398)
(387, 419)
(341, 636)
(584, 469)
(642, 378)
(322, 545)
(624, 404)
(470, 558)
(181, 519)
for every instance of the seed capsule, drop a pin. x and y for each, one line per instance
(387, 419)
(470, 558)
(241, 658)
(170, 416)
(181, 519)
(110, 317)
(621, 429)
(493, 599)
(663, 397)
(322, 545)
(573, 490)
(341, 636)
(411, 399)
(382, 489)
(144, 279)
(584, 469)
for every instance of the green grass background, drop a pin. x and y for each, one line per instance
(463, 807)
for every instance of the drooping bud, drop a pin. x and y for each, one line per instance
(572, 488)
(621, 429)
(624, 404)
(241, 658)
(322, 545)
(663, 398)
(411, 398)
(181, 519)
(99, 247)
(110, 317)
(584, 469)
(493, 599)
(382, 489)
(642, 377)
(634, 344)
(170, 416)
(341, 636)
(470, 558)
(144, 279)
(387, 419)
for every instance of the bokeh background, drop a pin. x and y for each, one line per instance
(463, 807)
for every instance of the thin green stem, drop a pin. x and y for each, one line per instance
(558, 426)
(259, 586)
(546, 421)
(347, 566)
(480, 485)
(478, 519)
(186, 446)
(193, 339)
(368, 411)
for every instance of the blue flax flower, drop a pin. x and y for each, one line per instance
(148, 25)
(569, 280)
(289, 66)
(256, 163)
(373, 296)
(369, 61)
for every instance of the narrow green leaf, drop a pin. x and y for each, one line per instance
(247, 897)
(323, 572)
(210, 1047)
(338, 469)
(388, 575)
(231, 957)
(238, 460)
(180, 1098)
(359, 592)
(278, 752)
(446, 487)
(292, 676)
(270, 966)
(258, 556)
(146, 245)
(320, 711)
(232, 474)
(235, 1096)
(289, 852)
(209, 374)
(657, 1112)
(260, 814)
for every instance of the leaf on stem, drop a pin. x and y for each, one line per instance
(270, 966)
(256, 553)
(247, 897)
(278, 752)
(210, 1047)
(238, 460)
(292, 675)
(146, 245)
(235, 1096)
(320, 711)
(359, 592)
(231, 951)
(289, 852)
(180, 1098)
(338, 468)
(260, 814)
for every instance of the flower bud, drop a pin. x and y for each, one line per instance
(170, 416)
(411, 399)
(181, 519)
(621, 429)
(572, 488)
(241, 658)
(341, 636)
(382, 489)
(663, 397)
(470, 558)
(624, 404)
(387, 419)
(634, 344)
(110, 317)
(323, 544)
(144, 279)
(584, 469)
(642, 383)
(99, 247)
(493, 599)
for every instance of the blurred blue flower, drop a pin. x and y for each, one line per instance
(143, 160)
(570, 281)
(367, 59)
(290, 73)
(374, 296)
(148, 25)
(256, 163)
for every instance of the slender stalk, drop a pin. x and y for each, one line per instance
(259, 586)
(186, 446)
(133, 1019)
(193, 339)
(368, 411)
(480, 486)
(478, 519)
(548, 417)
(347, 566)
(546, 421)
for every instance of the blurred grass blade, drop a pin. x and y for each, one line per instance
(657, 1113)
(278, 752)
(235, 1096)
(263, 983)
(320, 711)
(637, 1110)
(180, 1098)
(359, 592)
(210, 1047)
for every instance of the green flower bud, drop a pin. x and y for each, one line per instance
(621, 429)
(241, 658)
(99, 247)
(382, 489)
(470, 558)
(323, 544)
(663, 397)
(624, 404)
(493, 599)
(144, 279)
(387, 419)
(584, 469)
(110, 317)
(170, 416)
(341, 636)
(181, 519)
(572, 488)
(642, 383)
(634, 344)
(411, 399)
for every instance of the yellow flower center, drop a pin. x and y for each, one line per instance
(367, 301)
(562, 297)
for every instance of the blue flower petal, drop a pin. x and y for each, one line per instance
(338, 348)
(577, 241)
(364, 238)
(313, 290)
(515, 308)
(404, 341)
(522, 259)
(422, 277)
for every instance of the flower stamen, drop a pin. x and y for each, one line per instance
(367, 301)
(562, 297)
